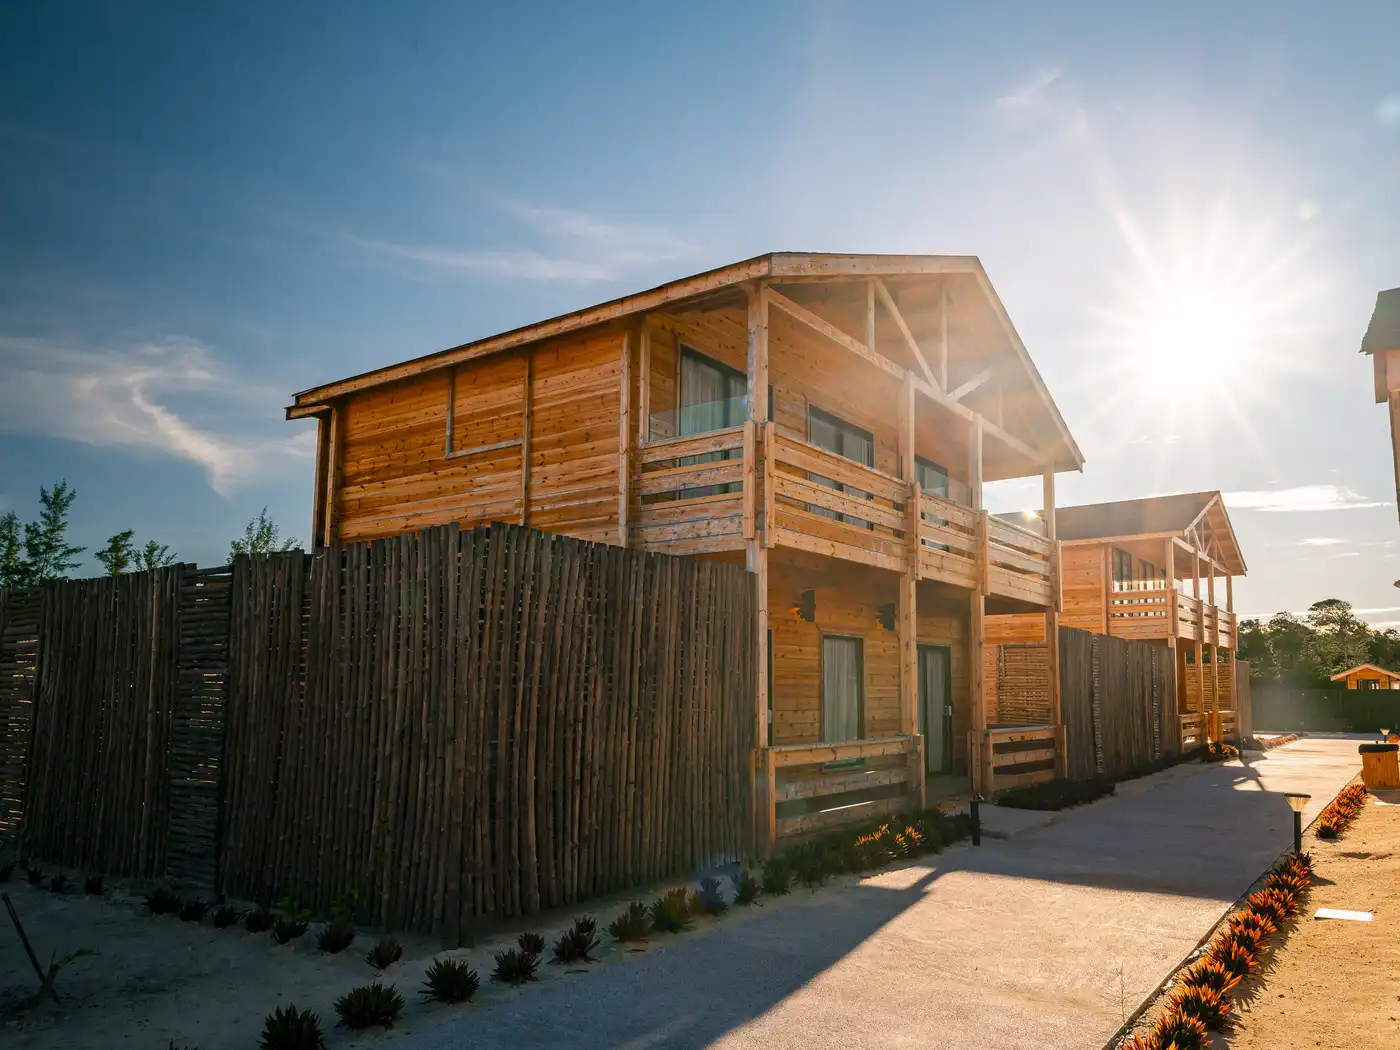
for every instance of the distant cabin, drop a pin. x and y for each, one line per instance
(1368, 676)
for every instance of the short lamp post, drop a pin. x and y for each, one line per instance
(1297, 802)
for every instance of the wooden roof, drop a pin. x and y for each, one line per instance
(1383, 333)
(1364, 667)
(775, 266)
(1172, 515)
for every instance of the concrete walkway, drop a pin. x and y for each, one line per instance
(1045, 939)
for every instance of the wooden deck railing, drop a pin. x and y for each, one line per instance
(825, 503)
(1140, 612)
(950, 540)
(1020, 563)
(692, 495)
(802, 771)
(1013, 756)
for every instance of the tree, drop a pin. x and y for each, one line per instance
(262, 537)
(13, 571)
(122, 555)
(118, 555)
(1339, 640)
(44, 553)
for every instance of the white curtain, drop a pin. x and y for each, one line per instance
(840, 689)
(933, 694)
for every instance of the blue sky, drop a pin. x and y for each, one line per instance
(202, 213)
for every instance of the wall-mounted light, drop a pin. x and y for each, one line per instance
(806, 607)
(885, 614)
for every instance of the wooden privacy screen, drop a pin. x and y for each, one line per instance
(442, 725)
(488, 722)
(1118, 702)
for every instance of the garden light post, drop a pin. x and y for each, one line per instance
(976, 819)
(1296, 802)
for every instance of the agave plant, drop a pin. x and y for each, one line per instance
(777, 877)
(450, 981)
(531, 943)
(811, 871)
(34, 874)
(58, 883)
(1178, 1030)
(285, 930)
(259, 920)
(385, 953)
(515, 967)
(709, 899)
(1237, 959)
(634, 924)
(92, 885)
(670, 913)
(335, 937)
(368, 1005)
(746, 891)
(1272, 905)
(194, 909)
(578, 942)
(224, 916)
(1205, 1004)
(161, 901)
(288, 1028)
(1252, 920)
(1210, 973)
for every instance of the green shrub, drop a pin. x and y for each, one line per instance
(259, 920)
(450, 981)
(747, 890)
(531, 943)
(670, 913)
(368, 1005)
(161, 901)
(194, 909)
(777, 877)
(709, 899)
(515, 967)
(286, 930)
(335, 937)
(225, 915)
(1054, 794)
(385, 953)
(633, 924)
(288, 1028)
(578, 942)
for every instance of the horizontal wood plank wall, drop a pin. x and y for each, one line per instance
(492, 721)
(397, 473)
(21, 624)
(1084, 588)
(98, 790)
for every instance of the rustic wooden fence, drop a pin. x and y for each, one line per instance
(437, 726)
(1118, 702)
(1285, 709)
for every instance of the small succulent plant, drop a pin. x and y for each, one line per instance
(515, 967)
(450, 981)
(811, 871)
(161, 901)
(369, 1005)
(224, 916)
(194, 909)
(1271, 904)
(578, 942)
(633, 924)
(709, 898)
(335, 937)
(1178, 1030)
(92, 885)
(385, 953)
(670, 913)
(1210, 973)
(777, 877)
(1236, 958)
(285, 930)
(1205, 1004)
(288, 1028)
(746, 892)
(1252, 920)
(531, 943)
(259, 920)
(34, 874)
(58, 883)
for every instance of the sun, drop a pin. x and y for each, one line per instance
(1187, 333)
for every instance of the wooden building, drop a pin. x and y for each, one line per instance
(1382, 343)
(1367, 676)
(827, 420)
(1160, 569)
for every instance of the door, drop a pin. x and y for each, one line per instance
(842, 713)
(936, 707)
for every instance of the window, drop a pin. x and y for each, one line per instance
(1148, 576)
(843, 700)
(1367, 683)
(713, 397)
(834, 434)
(1122, 570)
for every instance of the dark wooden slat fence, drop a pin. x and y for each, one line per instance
(439, 726)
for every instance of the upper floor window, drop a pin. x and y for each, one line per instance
(713, 395)
(848, 441)
(1122, 570)
(934, 479)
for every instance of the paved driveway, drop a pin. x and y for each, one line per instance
(1045, 939)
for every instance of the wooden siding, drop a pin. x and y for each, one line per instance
(398, 473)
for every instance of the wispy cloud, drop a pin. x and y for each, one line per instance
(147, 397)
(1321, 541)
(1301, 498)
(571, 246)
(1388, 110)
(1029, 94)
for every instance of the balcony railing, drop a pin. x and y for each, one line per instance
(691, 492)
(1147, 612)
(1020, 563)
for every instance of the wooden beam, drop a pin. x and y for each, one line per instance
(527, 411)
(318, 496)
(1229, 593)
(975, 633)
(451, 411)
(335, 454)
(870, 313)
(943, 335)
(974, 460)
(644, 388)
(908, 626)
(1052, 617)
(756, 551)
(893, 310)
(906, 430)
(308, 411)
(831, 332)
(1170, 563)
(624, 441)
(960, 392)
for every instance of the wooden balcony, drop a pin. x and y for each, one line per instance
(713, 492)
(1163, 611)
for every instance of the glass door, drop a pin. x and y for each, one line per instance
(936, 707)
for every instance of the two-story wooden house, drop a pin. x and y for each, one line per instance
(1148, 569)
(827, 420)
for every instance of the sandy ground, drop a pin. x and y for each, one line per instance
(1332, 983)
(154, 980)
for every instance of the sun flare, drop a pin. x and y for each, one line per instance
(1182, 336)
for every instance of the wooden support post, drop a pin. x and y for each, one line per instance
(318, 495)
(908, 585)
(335, 453)
(756, 557)
(644, 388)
(527, 421)
(978, 734)
(870, 313)
(943, 334)
(750, 478)
(770, 792)
(1052, 617)
(1200, 635)
(624, 442)
(1107, 569)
